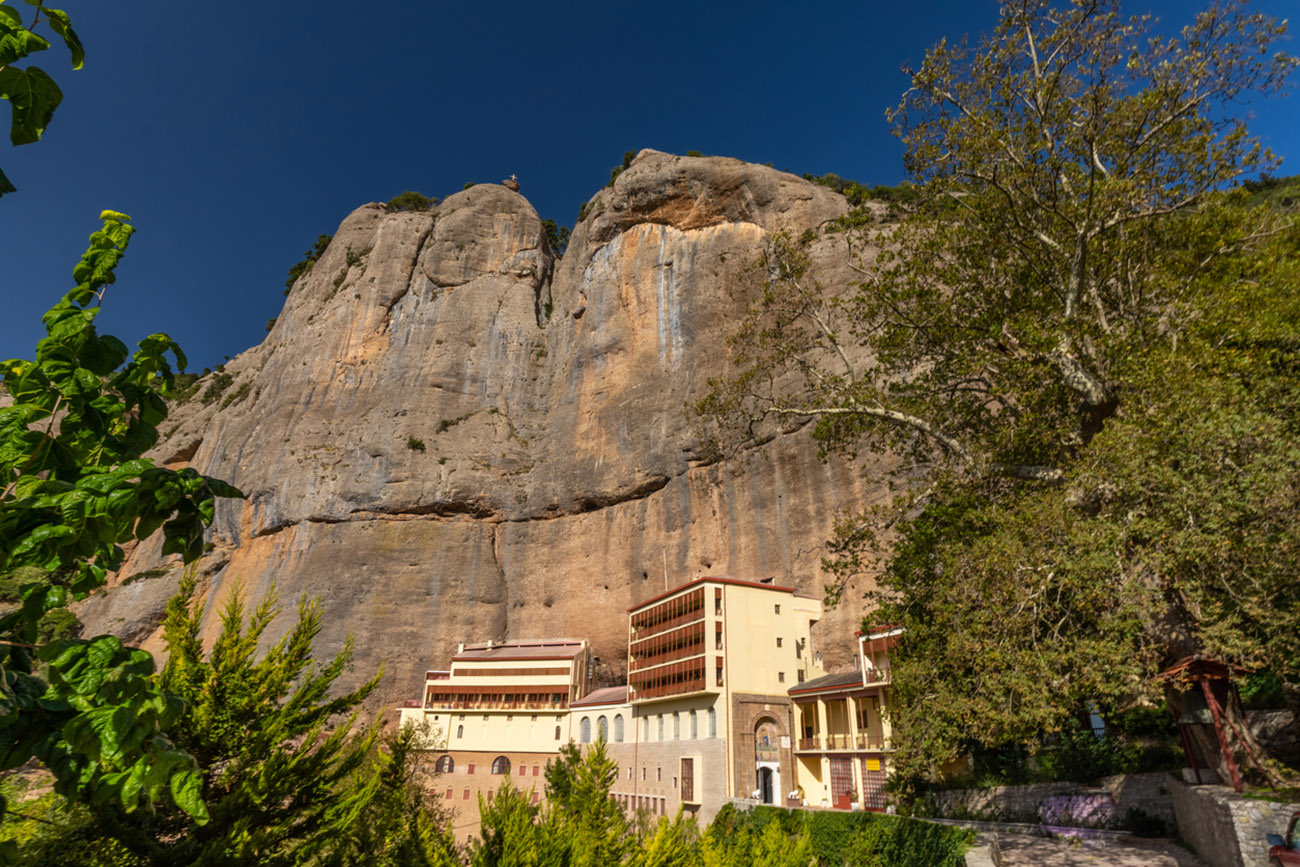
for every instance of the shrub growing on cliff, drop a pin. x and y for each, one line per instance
(411, 201)
(309, 258)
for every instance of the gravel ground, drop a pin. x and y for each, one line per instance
(1025, 851)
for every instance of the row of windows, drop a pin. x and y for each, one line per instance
(656, 806)
(465, 797)
(500, 766)
(602, 727)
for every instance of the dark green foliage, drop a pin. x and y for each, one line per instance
(147, 575)
(469, 184)
(270, 323)
(1263, 690)
(32, 94)
(219, 383)
(411, 201)
(556, 236)
(447, 424)
(308, 260)
(415, 444)
(277, 780)
(1282, 194)
(238, 394)
(74, 494)
(694, 154)
(628, 156)
(584, 210)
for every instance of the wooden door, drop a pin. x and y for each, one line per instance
(688, 781)
(841, 782)
(873, 784)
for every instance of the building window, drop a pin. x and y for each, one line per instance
(618, 728)
(713, 723)
(780, 676)
(659, 775)
(661, 726)
(450, 794)
(778, 641)
(584, 730)
(465, 797)
(469, 769)
(500, 765)
(645, 728)
(776, 609)
(535, 795)
(695, 726)
(557, 733)
(446, 764)
(677, 726)
(602, 729)
(523, 769)
(460, 731)
(801, 675)
(643, 773)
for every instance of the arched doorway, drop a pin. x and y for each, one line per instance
(767, 761)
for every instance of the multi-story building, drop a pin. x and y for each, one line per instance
(708, 667)
(725, 699)
(502, 708)
(842, 748)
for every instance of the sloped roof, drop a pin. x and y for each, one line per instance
(608, 695)
(829, 681)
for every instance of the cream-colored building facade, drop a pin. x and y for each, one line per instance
(842, 749)
(726, 698)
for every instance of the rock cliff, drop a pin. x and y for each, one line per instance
(451, 434)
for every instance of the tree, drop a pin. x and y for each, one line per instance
(33, 96)
(75, 490)
(285, 779)
(1068, 241)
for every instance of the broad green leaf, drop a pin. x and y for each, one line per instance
(61, 24)
(6, 186)
(187, 791)
(16, 41)
(34, 97)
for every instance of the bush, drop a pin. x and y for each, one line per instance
(220, 382)
(411, 201)
(308, 260)
(556, 236)
(415, 444)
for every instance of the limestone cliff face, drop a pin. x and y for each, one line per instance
(559, 481)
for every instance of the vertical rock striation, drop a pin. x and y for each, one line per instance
(451, 434)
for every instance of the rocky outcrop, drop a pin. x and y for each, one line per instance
(450, 434)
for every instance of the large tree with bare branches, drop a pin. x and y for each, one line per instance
(1046, 319)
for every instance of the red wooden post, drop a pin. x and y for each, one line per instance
(1218, 730)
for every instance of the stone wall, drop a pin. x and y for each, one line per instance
(1224, 828)
(1149, 793)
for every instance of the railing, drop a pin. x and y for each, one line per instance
(662, 626)
(694, 684)
(496, 705)
(876, 675)
(842, 741)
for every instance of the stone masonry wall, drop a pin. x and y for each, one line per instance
(1227, 829)
(1149, 793)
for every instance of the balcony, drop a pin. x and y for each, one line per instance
(876, 675)
(837, 741)
(694, 684)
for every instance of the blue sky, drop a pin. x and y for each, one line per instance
(233, 134)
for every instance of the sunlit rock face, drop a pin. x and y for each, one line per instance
(451, 434)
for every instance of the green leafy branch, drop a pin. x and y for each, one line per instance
(32, 94)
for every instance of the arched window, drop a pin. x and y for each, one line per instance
(460, 731)
(713, 723)
(677, 726)
(557, 733)
(661, 726)
(695, 726)
(584, 730)
(618, 728)
(602, 729)
(500, 765)
(446, 764)
(645, 728)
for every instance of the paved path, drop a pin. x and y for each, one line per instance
(1024, 851)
